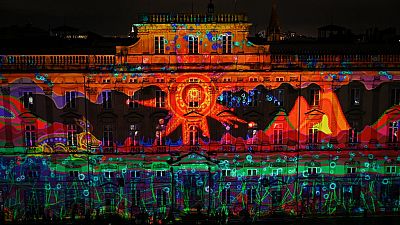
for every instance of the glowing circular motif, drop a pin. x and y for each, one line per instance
(81, 176)
(86, 193)
(249, 158)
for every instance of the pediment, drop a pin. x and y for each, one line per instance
(315, 112)
(70, 115)
(226, 113)
(280, 112)
(193, 114)
(133, 116)
(193, 158)
(253, 114)
(393, 111)
(26, 115)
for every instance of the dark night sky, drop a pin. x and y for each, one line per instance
(114, 17)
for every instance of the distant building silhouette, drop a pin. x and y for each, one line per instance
(334, 33)
(274, 32)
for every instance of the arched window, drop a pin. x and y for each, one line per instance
(194, 98)
(193, 135)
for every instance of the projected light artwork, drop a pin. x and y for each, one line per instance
(193, 116)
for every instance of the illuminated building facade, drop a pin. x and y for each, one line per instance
(194, 115)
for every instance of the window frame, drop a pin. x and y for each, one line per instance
(159, 44)
(194, 101)
(30, 131)
(70, 99)
(315, 97)
(393, 132)
(355, 95)
(108, 134)
(72, 132)
(252, 172)
(160, 98)
(395, 96)
(107, 99)
(227, 42)
(278, 131)
(193, 44)
(313, 135)
(133, 99)
(28, 100)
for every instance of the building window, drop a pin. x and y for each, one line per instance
(160, 99)
(160, 129)
(226, 196)
(395, 96)
(71, 135)
(253, 98)
(226, 79)
(193, 80)
(226, 172)
(107, 136)
(353, 134)
(27, 100)
(193, 44)
(30, 136)
(106, 95)
(276, 172)
(106, 80)
(159, 44)
(227, 44)
(134, 135)
(252, 130)
(313, 136)
(136, 197)
(70, 99)
(355, 95)
(159, 138)
(161, 197)
(109, 174)
(33, 173)
(279, 95)
(133, 100)
(393, 131)
(73, 174)
(251, 172)
(251, 195)
(161, 173)
(136, 174)
(253, 79)
(193, 135)
(390, 169)
(351, 170)
(314, 95)
(313, 170)
(226, 98)
(278, 134)
(194, 98)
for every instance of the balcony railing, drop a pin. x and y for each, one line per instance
(192, 18)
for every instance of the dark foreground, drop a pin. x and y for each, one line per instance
(371, 220)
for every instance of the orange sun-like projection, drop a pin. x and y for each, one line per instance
(191, 99)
